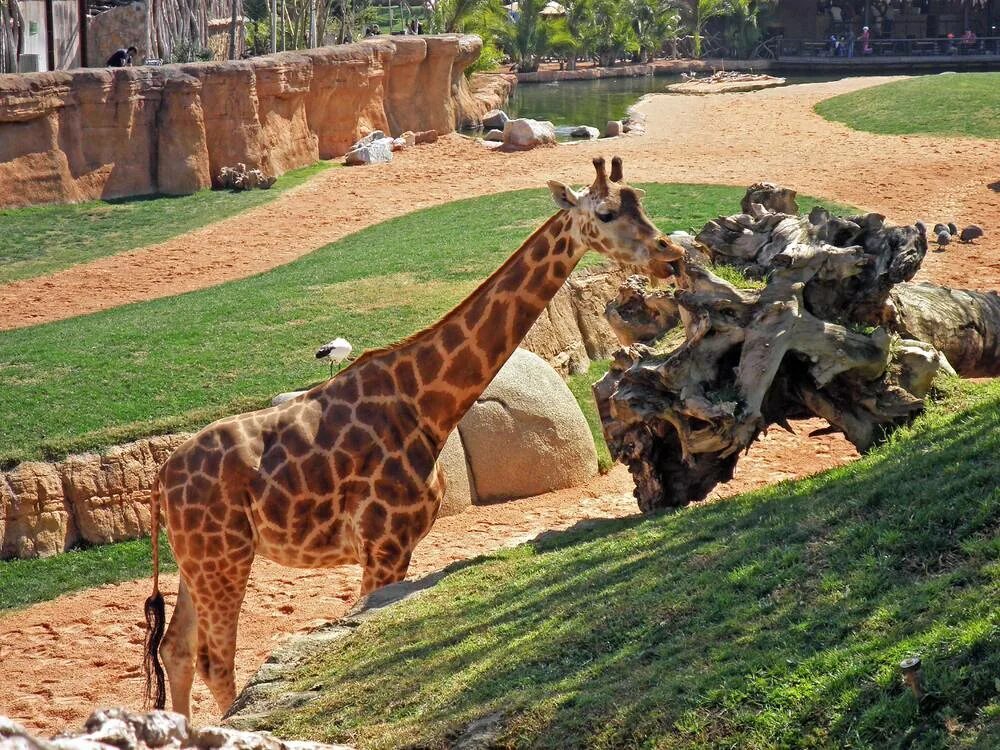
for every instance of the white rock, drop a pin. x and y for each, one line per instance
(375, 135)
(376, 152)
(525, 133)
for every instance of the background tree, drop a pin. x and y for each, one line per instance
(703, 11)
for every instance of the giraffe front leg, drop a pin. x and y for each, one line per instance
(385, 562)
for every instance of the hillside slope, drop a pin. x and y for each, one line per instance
(776, 619)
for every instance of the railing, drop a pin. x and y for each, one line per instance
(936, 47)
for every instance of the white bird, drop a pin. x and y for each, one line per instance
(336, 351)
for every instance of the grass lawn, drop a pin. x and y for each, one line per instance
(42, 239)
(776, 619)
(24, 582)
(960, 104)
(180, 362)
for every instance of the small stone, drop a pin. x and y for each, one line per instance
(425, 136)
(495, 118)
(376, 152)
(585, 131)
(494, 135)
(525, 133)
(613, 129)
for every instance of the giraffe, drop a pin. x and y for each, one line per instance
(347, 472)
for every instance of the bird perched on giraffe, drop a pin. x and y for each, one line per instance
(336, 351)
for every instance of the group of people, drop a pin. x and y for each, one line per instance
(844, 46)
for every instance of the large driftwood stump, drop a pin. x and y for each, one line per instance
(800, 345)
(963, 325)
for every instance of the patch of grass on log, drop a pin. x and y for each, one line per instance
(39, 240)
(960, 104)
(580, 386)
(180, 362)
(774, 619)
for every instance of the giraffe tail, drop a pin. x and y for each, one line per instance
(156, 692)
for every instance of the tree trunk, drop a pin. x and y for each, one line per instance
(799, 346)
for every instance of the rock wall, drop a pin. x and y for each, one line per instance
(47, 508)
(105, 133)
(572, 330)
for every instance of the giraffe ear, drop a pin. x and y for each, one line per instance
(563, 195)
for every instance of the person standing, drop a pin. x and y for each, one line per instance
(122, 58)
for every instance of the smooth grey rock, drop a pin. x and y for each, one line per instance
(459, 493)
(493, 135)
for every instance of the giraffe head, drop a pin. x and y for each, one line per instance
(608, 217)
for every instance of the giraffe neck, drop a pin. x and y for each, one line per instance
(446, 367)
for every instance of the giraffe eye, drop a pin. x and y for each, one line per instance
(605, 216)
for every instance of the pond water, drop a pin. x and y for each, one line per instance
(591, 102)
(594, 102)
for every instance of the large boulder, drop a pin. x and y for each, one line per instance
(526, 434)
(459, 493)
(525, 133)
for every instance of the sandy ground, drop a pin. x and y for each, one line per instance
(61, 658)
(728, 138)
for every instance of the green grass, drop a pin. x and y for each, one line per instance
(42, 239)
(580, 386)
(177, 363)
(25, 582)
(962, 104)
(776, 619)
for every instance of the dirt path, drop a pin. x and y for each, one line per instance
(730, 138)
(60, 659)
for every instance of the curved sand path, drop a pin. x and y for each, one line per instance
(726, 138)
(61, 659)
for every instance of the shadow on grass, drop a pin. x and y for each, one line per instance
(776, 619)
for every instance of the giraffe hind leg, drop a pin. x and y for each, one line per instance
(218, 596)
(177, 651)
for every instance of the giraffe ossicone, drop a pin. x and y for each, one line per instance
(347, 473)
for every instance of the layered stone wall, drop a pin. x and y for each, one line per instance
(104, 133)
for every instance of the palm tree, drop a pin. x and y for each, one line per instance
(705, 10)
